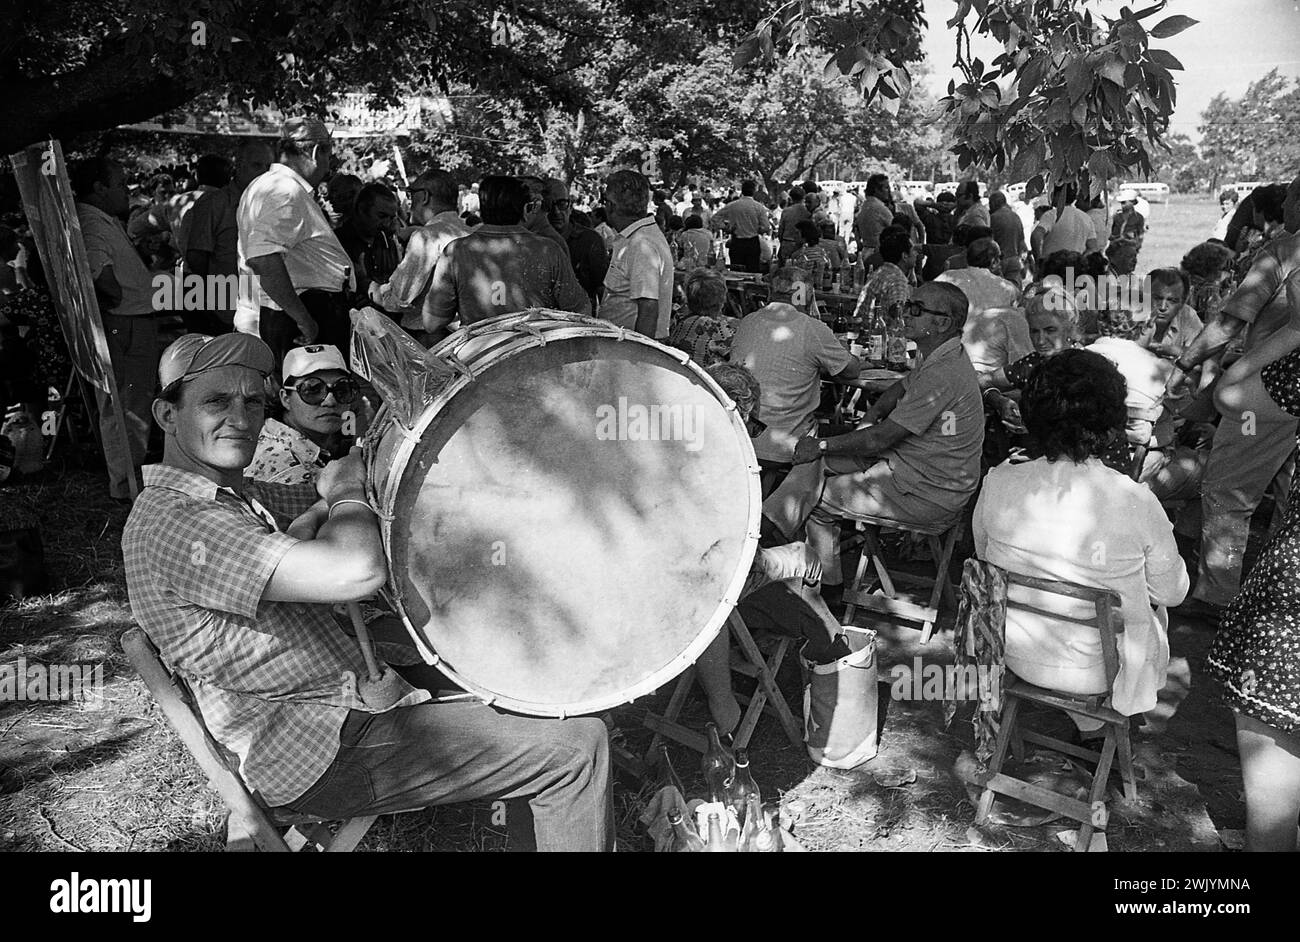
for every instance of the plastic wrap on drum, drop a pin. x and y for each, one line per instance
(406, 376)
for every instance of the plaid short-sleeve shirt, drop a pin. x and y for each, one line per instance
(270, 678)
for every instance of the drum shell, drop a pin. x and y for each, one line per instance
(588, 654)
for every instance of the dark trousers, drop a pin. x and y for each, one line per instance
(440, 753)
(328, 308)
(745, 254)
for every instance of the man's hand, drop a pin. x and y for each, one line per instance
(807, 449)
(1011, 416)
(1177, 384)
(344, 477)
(306, 524)
(310, 330)
(813, 571)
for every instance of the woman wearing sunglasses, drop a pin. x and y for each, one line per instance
(317, 394)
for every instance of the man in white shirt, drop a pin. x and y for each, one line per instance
(285, 239)
(124, 292)
(639, 283)
(433, 208)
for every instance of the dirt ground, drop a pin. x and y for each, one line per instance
(117, 778)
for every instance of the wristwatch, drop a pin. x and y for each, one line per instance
(821, 444)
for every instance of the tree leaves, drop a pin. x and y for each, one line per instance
(1164, 59)
(1172, 26)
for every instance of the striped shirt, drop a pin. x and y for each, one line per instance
(269, 678)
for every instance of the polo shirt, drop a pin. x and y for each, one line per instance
(107, 245)
(640, 267)
(940, 460)
(747, 217)
(278, 215)
(266, 676)
(1260, 299)
(1071, 231)
(788, 352)
(499, 270)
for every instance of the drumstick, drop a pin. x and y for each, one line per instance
(363, 641)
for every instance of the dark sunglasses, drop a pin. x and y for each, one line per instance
(915, 309)
(313, 391)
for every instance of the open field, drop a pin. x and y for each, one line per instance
(1174, 227)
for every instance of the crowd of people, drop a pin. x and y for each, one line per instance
(1095, 427)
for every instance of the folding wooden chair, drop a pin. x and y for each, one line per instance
(250, 825)
(1093, 814)
(767, 696)
(940, 538)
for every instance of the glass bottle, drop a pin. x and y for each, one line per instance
(716, 843)
(717, 765)
(742, 787)
(685, 840)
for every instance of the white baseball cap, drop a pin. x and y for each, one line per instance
(1128, 196)
(313, 358)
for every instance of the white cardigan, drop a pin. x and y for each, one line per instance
(1087, 524)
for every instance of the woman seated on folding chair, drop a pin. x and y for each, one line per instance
(788, 577)
(1066, 516)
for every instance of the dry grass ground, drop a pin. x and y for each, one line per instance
(118, 779)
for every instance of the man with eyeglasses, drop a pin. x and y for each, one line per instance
(317, 392)
(433, 208)
(537, 212)
(915, 458)
(586, 248)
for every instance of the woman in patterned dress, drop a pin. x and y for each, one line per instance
(1256, 653)
(704, 332)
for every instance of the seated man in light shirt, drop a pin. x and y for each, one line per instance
(996, 332)
(789, 353)
(914, 459)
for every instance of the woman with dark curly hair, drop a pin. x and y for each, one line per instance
(1067, 516)
(1208, 267)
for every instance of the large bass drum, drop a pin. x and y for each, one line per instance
(570, 520)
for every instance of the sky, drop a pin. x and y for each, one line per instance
(1235, 43)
